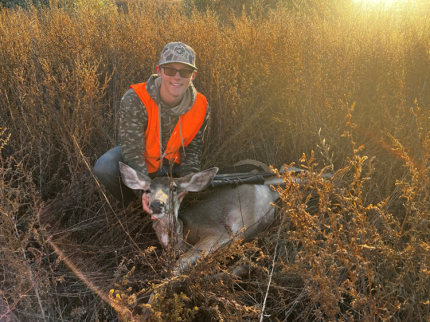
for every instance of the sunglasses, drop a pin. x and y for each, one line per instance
(170, 71)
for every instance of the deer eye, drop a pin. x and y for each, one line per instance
(174, 188)
(146, 191)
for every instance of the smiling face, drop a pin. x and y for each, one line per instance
(173, 87)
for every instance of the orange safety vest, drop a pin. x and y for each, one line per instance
(191, 123)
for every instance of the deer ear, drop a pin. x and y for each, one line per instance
(197, 181)
(132, 179)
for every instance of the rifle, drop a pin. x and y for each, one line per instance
(235, 179)
(243, 174)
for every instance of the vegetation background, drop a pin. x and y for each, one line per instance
(324, 84)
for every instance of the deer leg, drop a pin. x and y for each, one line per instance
(205, 245)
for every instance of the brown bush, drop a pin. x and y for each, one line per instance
(324, 77)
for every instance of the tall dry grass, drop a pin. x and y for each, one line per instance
(280, 83)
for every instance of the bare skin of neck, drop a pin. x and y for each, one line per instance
(170, 102)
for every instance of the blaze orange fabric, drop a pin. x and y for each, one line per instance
(191, 123)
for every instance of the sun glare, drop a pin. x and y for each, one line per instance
(384, 3)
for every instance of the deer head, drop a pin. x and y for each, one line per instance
(165, 195)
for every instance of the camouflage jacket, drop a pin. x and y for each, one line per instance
(134, 120)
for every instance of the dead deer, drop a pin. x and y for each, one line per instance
(227, 212)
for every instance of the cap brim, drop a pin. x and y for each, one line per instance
(180, 62)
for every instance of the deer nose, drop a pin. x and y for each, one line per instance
(157, 206)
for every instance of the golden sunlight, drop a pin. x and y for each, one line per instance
(384, 3)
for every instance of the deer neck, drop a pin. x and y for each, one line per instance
(162, 228)
(179, 236)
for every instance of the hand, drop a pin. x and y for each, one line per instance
(145, 203)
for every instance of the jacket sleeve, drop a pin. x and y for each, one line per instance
(133, 123)
(192, 154)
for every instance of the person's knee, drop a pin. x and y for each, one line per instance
(107, 164)
(101, 168)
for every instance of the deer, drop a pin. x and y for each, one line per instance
(226, 213)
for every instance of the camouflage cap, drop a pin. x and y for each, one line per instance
(177, 52)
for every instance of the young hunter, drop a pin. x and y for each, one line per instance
(167, 109)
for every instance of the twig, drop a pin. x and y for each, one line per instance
(118, 307)
(33, 282)
(271, 273)
(40, 165)
(302, 293)
(104, 195)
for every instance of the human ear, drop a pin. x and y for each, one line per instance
(194, 75)
(158, 70)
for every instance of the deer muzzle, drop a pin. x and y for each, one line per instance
(157, 206)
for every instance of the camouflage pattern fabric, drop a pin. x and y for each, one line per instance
(134, 121)
(177, 52)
